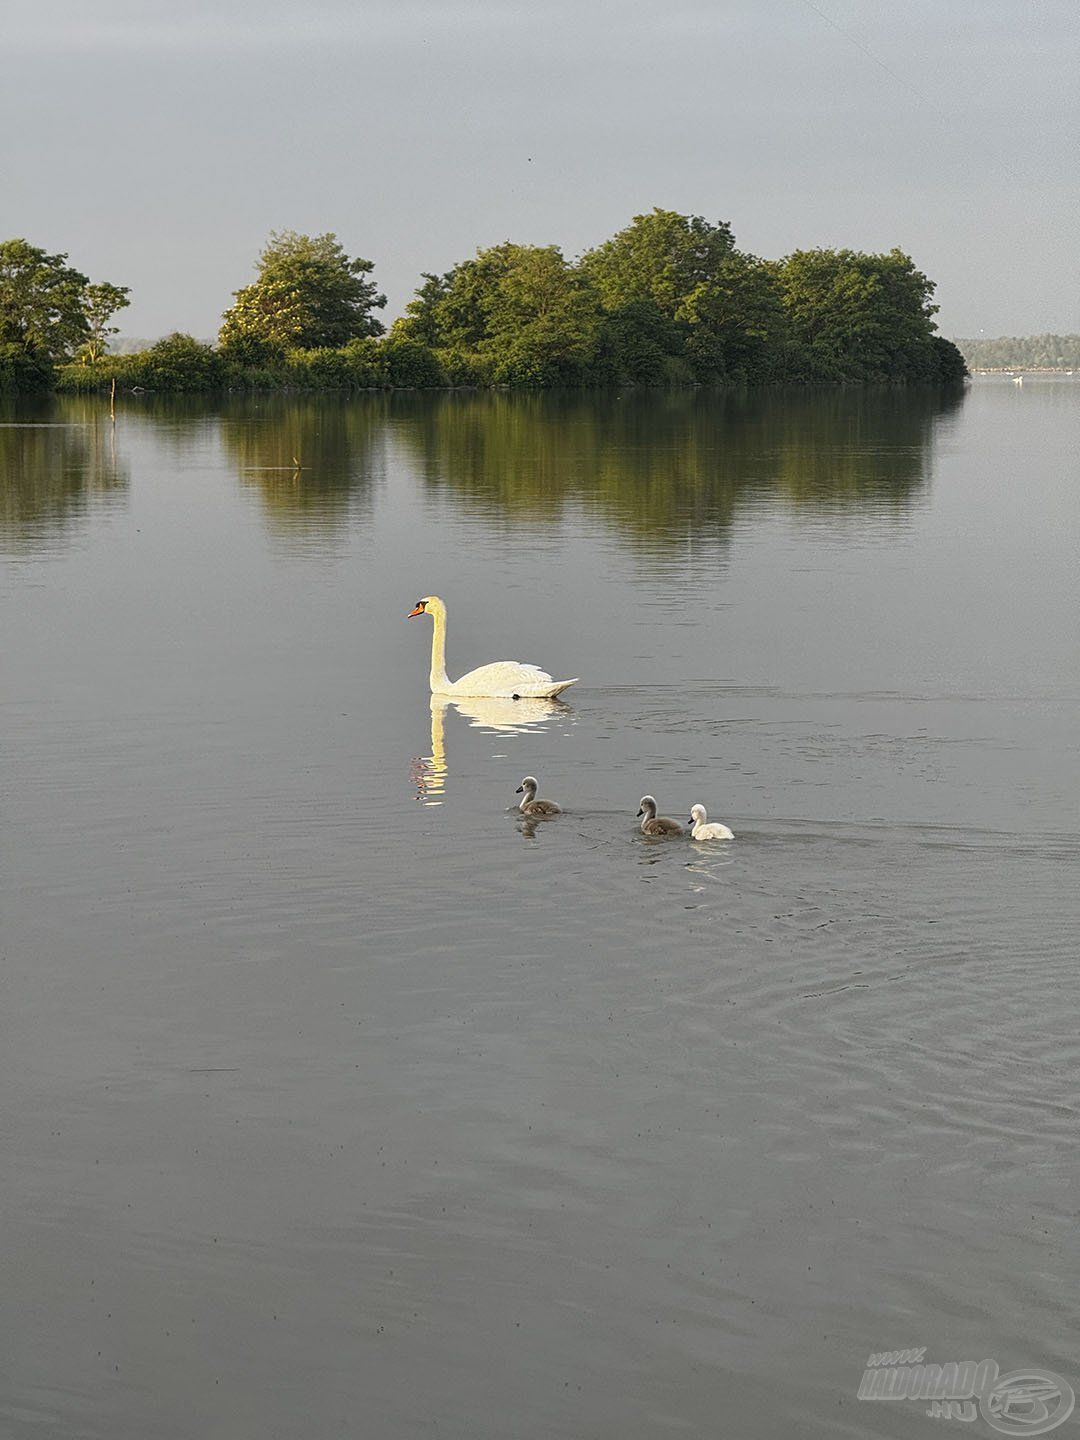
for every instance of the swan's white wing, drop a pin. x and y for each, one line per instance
(504, 672)
(508, 678)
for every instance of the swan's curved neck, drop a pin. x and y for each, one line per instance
(439, 680)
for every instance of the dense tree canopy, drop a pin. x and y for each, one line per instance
(663, 257)
(513, 315)
(307, 294)
(47, 308)
(720, 307)
(669, 297)
(674, 287)
(853, 316)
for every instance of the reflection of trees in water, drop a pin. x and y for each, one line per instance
(666, 465)
(55, 463)
(854, 448)
(339, 442)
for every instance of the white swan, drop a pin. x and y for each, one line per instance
(699, 830)
(507, 678)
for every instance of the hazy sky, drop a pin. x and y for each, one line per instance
(159, 144)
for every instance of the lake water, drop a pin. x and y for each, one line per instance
(337, 1101)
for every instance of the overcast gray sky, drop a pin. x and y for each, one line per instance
(159, 144)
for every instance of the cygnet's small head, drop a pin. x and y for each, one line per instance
(697, 814)
(529, 784)
(648, 806)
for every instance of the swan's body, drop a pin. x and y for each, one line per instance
(531, 806)
(654, 824)
(700, 829)
(508, 679)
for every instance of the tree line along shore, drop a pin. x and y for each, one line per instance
(1050, 354)
(669, 300)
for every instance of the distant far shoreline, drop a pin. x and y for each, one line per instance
(1035, 354)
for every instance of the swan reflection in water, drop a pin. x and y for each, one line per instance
(493, 713)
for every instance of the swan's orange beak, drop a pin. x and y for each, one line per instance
(418, 611)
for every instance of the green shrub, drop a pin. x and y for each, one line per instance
(320, 369)
(409, 364)
(253, 377)
(181, 363)
(463, 366)
(178, 364)
(366, 362)
(23, 372)
(250, 351)
(81, 377)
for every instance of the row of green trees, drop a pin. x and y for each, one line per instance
(1022, 352)
(669, 299)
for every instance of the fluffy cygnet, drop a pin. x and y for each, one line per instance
(654, 824)
(701, 830)
(531, 805)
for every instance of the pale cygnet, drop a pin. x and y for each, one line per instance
(654, 824)
(531, 806)
(700, 830)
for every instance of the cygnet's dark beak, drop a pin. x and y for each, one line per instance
(519, 789)
(641, 812)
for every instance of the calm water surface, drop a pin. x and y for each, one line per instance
(337, 1102)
